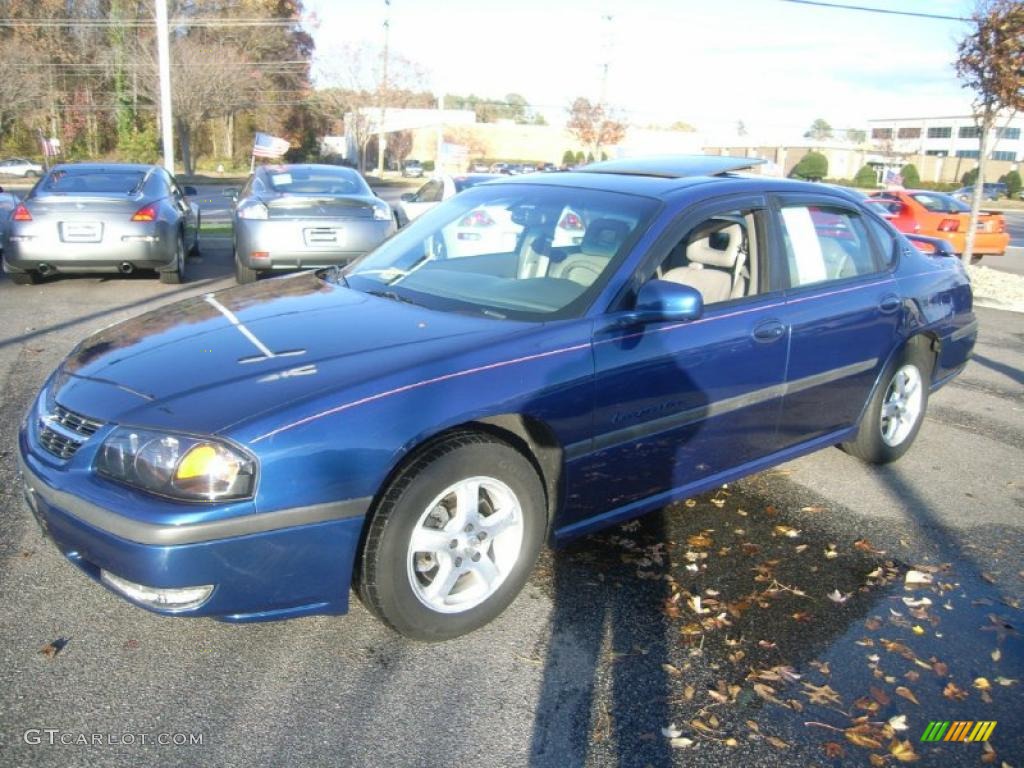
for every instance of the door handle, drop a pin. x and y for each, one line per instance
(890, 304)
(769, 330)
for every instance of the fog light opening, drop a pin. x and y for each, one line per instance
(175, 599)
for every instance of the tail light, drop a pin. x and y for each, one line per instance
(949, 225)
(145, 213)
(477, 219)
(21, 213)
(571, 221)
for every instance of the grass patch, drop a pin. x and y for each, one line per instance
(218, 228)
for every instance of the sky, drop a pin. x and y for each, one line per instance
(774, 65)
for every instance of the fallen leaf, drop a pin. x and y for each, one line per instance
(982, 683)
(802, 616)
(903, 751)
(700, 540)
(953, 691)
(1006, 681)
(776, 742)
(898, 723)
(917, 577)
(916, 603)
(51, 649)
(988, 577)
(788, 531)
(940, 669)
(833, 749)
(997, 655)
(767, 693)
(814, 508)
(907, 694)
(680, 742)
(917, 629)
(876, 760)
(822, 695)
(879, 695)
(860, 736)
(822, 666)
(873, 624)
(752, 725)
(688, 692)
(830, 552)
(838, 597)
(670, 731)
(674, 671)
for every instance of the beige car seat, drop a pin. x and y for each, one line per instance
(717, 262)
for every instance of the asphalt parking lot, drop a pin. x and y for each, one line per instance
(712, 619)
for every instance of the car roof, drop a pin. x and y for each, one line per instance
(66, 167)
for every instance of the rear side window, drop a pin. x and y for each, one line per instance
(825, 243)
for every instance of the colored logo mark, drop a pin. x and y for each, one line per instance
(958, 730)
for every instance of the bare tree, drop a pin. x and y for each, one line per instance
(20, 84)
(353, 89)
(989, 63)
(594, 125)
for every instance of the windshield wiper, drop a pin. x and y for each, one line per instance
(393, 296)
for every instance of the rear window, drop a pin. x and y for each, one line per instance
(104, 182)
(938, 203)
(465, 182)
(316, 181)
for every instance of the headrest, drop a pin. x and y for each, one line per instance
(604, 237)
(718, 247)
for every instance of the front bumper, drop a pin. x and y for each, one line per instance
(290, 568)
(307, 243)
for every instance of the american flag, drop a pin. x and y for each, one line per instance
(266, 145)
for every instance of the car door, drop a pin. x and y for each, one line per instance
(684, 404)
(843, 308)
(425, 198)
(185, 212)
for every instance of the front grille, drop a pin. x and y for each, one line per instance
(83, 425)
(63, 432)
(60, 446)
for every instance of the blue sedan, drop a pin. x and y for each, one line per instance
(417, 424)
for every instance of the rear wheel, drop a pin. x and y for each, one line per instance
(454, 538)
(176, 275)
(975, 258)
(243, 274)
(194, 250)
(893, 418)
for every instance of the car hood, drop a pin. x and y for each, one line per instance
(211, 361)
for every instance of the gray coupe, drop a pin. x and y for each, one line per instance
(297, 216)
(102, 217)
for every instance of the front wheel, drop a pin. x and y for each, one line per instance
(453, 539)
(893, 417)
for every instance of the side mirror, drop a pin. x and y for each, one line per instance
(408, 197)
(190, 192)
(664, 301)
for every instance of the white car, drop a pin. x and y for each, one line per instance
(19, 166)
(439, 188)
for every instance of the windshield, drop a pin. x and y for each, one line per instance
(296, 180)
(508, 251)
(102, 181)
(938, 203)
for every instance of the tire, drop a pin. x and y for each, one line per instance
(882, 442)
(23, 278)
(975, 259)
(176, 275)
(484, 572)
(243, 274)
(193, 252)
(30, 174)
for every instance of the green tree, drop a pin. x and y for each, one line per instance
(866, 178)
(969, 178)
(911, 178)
(819, 130)
(580, 157)
(813, 166)
(1012, 181)
(856, 135)
(568, 157)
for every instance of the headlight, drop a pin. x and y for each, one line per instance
(382, 212)
(254, 211)
(191, 468)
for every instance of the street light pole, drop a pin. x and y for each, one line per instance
(164, 58)
(381, 140)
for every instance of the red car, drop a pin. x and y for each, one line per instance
(934, 214)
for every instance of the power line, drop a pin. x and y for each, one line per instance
(149, 22)
(887, 11)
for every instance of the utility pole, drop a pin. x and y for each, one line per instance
(164, 57)
(381, 141)
(439, 161)
(607, 58)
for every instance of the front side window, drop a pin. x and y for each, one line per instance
(939, 203)
(431, 192)
(825, 243)
(508, 251)
(719, 257)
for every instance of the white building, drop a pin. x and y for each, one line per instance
(954, 136)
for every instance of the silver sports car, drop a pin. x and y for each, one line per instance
(295, 216)
(102, 217)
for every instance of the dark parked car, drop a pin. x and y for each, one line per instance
(102, 217)
(989, 191)
(299, 216)
(418, 425)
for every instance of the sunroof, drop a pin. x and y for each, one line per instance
(673, 166)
